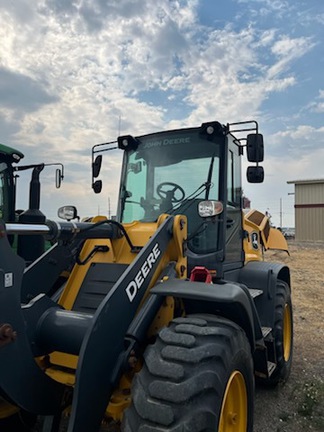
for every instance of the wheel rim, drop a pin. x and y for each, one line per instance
(233, 416)
(287, 332)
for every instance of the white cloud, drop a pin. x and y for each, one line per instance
(85, 65)
(301, 137)
(318, 105)
(287, 50)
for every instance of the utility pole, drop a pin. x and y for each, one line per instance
(109, 212)
(280, 212)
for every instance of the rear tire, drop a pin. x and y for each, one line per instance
(197, 376)
(283, 334)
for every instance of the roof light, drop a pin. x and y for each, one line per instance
(127, 142)
(212, 129)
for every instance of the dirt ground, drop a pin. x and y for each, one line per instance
(297, 405)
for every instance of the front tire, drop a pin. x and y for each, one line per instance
(197, 376)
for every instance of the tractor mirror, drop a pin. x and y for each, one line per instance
(67, 213)
(255, 174)
(58, 178)
(96, 166)
(97, 186)
(255, 149)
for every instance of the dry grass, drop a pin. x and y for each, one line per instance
(298, 405)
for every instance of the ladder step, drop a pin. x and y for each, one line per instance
(266, 331)
(271, 367)
(255, 292)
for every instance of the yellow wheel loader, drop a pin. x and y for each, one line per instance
(170, 311)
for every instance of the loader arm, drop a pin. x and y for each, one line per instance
(100, 342)
(20, 378)
(103, 344)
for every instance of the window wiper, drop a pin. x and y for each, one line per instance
(209, 177)
(187, 202)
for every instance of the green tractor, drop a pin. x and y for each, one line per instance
(34, 246)
(170, 312)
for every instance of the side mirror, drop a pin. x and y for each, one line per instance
(97, 186)
(58, 178)
(255, 148)
(67, 213)
(255, 174)
(96, 166)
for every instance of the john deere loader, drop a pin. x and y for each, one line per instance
(170, 312)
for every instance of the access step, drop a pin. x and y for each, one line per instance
(255, 292)
(271, 368)
(266, 331)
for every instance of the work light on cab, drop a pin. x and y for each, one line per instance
(210, 208)
(127, 142)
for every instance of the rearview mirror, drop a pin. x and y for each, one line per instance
(97, 186)
(255, 174)
(96, 166)
(58, 178)
(255, 148)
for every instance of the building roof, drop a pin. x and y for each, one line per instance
(309, 181)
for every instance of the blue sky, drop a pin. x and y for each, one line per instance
(73, 73)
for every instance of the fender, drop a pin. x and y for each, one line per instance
(263, 276)
(228, 299)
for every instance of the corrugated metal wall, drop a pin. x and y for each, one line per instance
(309, 211)
(309, 224)
(309, 193)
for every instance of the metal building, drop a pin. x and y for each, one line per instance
(309, 209)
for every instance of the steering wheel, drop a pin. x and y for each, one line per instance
(170, 194)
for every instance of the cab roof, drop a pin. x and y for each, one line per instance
(12, 154)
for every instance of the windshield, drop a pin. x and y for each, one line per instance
(171, 172)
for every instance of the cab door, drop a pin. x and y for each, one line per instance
(234, 256)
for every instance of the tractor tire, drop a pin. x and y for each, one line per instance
(22, 421)
(283, 334)
(197, 376)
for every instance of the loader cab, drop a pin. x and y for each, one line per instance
(187, 171)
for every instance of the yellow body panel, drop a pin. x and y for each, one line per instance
(277, 240)
(260, 236)
(63, 365)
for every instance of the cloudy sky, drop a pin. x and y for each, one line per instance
(76, 73)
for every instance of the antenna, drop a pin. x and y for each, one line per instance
(119, 124)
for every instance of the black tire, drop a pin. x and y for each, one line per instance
(283, 334)
(185, 377)
(22, 421)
